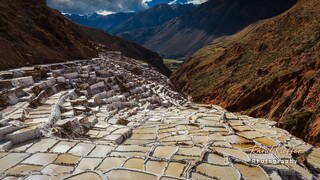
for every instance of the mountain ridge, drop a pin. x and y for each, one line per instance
(122, 22)
(177, 31)
(206, 22)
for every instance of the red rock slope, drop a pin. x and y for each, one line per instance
(270, 69)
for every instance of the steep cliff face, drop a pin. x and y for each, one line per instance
(31, 33)
(269, 69)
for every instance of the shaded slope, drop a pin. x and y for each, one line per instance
(31, 33)
(129, 49)
(270, 69)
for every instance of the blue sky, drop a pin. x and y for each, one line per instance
(109, 6)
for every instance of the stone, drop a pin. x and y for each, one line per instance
(62, 147)
(314, 159)
(217, 159)
(111, 162)
(230, 116)
(10, 160)
(88, 164)
(175, 169)
(132, 148)
(82, 149)
(164, 152)
(41, 159)
(24, 169)
(38, 177)
(220, 172)
(53, 169)
(197, 176)
(157, 167)
(85, 175)
(252, 173)
(22, 82)
(193, 151)
(134, 163)
(128, 154)
(222, 144)
(42, 146)
(232, 152)
(266, 141)
(125, 174)
(24, 135)
(101, 151)
(242, 128)
(201, 140)
(250, 134)
(234, 139)
(67, 159)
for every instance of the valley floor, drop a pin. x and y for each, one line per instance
(116, 118)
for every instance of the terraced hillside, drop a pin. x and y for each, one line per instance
(117, 118)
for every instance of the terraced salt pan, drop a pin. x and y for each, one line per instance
(107, 120)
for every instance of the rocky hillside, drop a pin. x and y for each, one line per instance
(31, 33)
(186, 34)
(269, 69)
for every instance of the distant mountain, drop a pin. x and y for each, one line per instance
(270, 69)
(31, 33)
(152, 17)
(178, 30)
(105, 23)
(184, 35)
(121, 22)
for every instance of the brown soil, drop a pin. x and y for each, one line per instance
(270, 69)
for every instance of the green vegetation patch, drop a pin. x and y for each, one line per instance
(3, 28)
(298, 120)
(173, 64)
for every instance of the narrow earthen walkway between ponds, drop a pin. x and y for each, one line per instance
(117, 118)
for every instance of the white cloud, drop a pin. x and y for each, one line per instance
(173, 2)
(197, 1)
(145, 2)
(108, 6)
(91, 6)
(104, 13)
